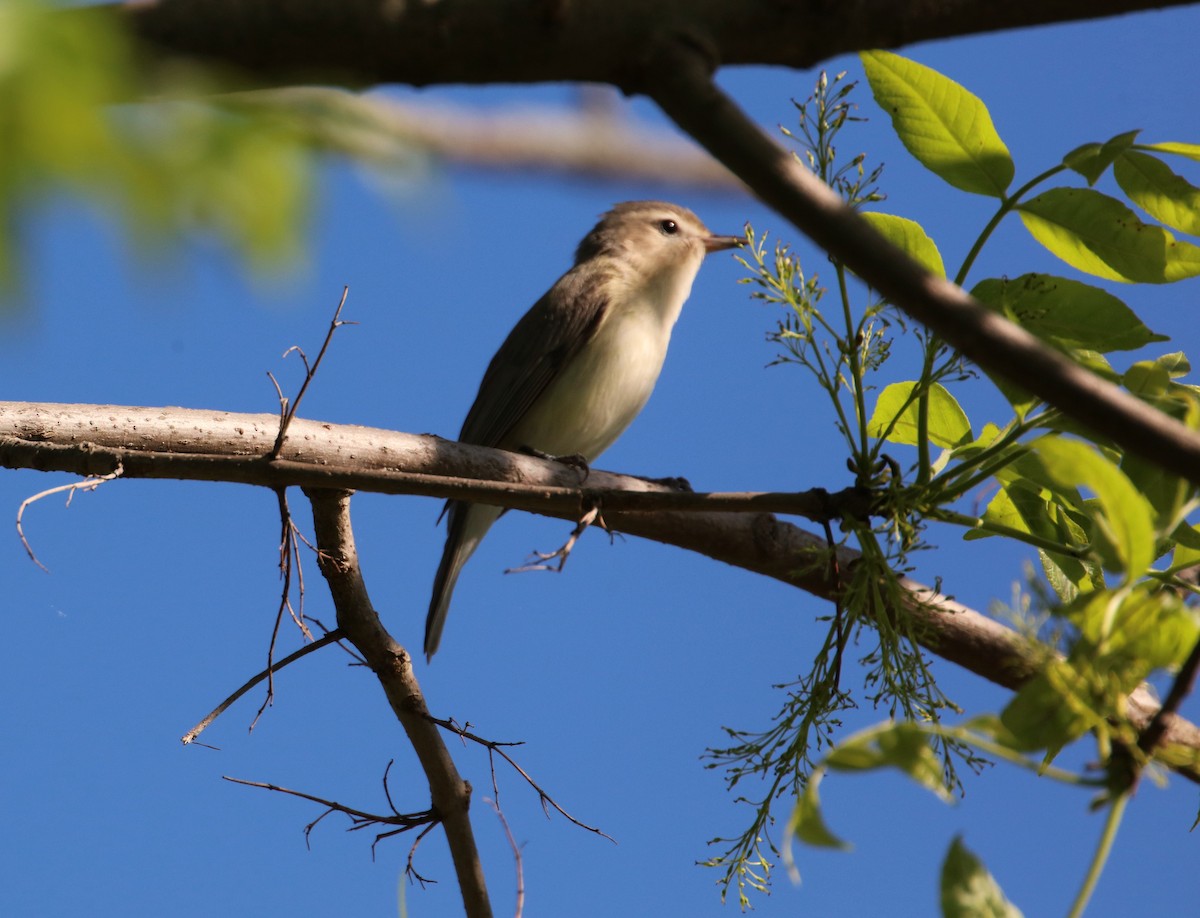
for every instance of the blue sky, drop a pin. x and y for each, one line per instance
(616, 674)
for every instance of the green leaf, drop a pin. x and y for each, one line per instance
(808, 825)
(911, 237)
(1066, 312)
(1100, 235)
(948, 424)
(945, 127)
(1190, 150)
(1092, 159)
(1160, 192)
(968, 890)
(1121, 514)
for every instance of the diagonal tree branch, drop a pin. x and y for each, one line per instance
(217, 446)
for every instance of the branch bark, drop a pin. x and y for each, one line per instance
(450, 794)
(218, 446)
(363, 42)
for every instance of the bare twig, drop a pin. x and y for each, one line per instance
(541, 560)
(91, 484)
(326, 639)
(360, 819)
(517, 860)
(497, 748)
(309, 372)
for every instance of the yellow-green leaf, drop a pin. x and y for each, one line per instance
(1067, 312)
(1100, 235)
(895, 417)
(1160, 192)
(943, 125)
(1190, 150)
(909, 236)
(1091, 159)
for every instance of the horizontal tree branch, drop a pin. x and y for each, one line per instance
(213, 445)
(365, 42)
(595, 139)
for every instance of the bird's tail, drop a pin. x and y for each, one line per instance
(467, 525)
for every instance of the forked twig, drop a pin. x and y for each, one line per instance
(360, 819)
(495, 747)
(88, 484)
(289, 411)
(540, 561)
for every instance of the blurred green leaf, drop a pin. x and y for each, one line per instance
(168, 167)
(1166, 196)
(1101, 236)
(899, 744)
(1135, 632)
(909, 236)
(1067, 312)
(807, 824)
(1050, 710)
(968, 890)
(1121, 513)
(944, 126)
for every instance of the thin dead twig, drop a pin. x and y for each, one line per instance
(540, 560)
(360, 819)
(518, 861)
(330, 637)
(495, 747)
(289, 411)
(88, 484)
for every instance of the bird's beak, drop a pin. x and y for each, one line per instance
(720, 243)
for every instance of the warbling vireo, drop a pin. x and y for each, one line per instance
(580, 365)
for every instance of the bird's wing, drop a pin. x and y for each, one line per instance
(534, 353)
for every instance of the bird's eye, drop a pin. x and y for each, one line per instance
(670, 227)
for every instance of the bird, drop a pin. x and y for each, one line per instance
(581, 363)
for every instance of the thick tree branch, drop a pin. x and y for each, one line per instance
(451, 795)
(364, 42)
(210, 445)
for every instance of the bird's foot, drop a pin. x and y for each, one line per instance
(674, 482)
(575, 461)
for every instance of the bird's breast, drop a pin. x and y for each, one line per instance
(607, 383)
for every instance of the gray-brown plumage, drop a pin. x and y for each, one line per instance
(581, 364)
